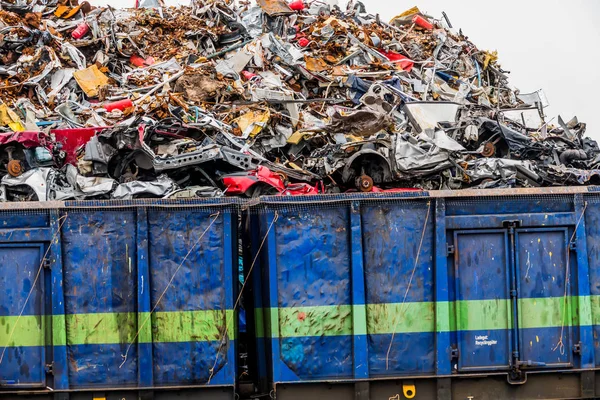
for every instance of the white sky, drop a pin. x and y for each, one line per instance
(552, 45)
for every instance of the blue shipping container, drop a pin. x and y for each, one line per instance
(396, 295)
(129, 295)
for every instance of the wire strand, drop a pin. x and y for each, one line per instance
(124, 356)
(402, 309)
(560, 345)
(212, 370)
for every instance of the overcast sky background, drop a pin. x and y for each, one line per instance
(552, 45)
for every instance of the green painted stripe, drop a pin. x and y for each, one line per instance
(443, 320)
(272, 322)
(192, 326)
(544, 312)
(121, 328)
(583, 312)
(315, 321)
(101, 328)
(144, 325)
(359, 316)
(476, 315)
(59, 330)
(400, 318)
(472, 315)
(595, 303)
(28, 331)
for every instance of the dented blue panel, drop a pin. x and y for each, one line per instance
(313, 270)
(511, 294)
(99, 262)
(398, 251)
(543, 262)
(188, 247)
(88, 287)
(191, 264)
(312, 258)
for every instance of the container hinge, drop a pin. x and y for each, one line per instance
(577, 348)
(47, 264)
(449, 249)
(50, 368)
(454, 354)
(513, 293)
(573, 245)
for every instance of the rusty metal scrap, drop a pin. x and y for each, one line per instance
(283, 93)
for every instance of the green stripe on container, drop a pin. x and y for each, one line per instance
(482, 315)
(164, 327)
(28, 331)
(547, 312)
(359, 316)
(585, 315)
(145, 327)
(595, 300)
(192, 326)
(400, 318)
(101, 328)
(443, 318)
(315, 321)
(59, 330)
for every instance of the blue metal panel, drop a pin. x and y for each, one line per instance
(443, 356)
(230, 283)
(21, 366)
(24, 220)
(99, 249)
(145, 378)
(541, 269)
(187, 363)
(189, 273)
(59, 352)
(482, 273)
(197, 281)
(586, 332)
(411, 353)
(508, 205)
(592, 237)
(312, 269)
(316, 358)
(359, 345)
(392, 243)
(97, 365)
(313, 264)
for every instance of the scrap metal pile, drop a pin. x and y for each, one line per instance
(248, 99)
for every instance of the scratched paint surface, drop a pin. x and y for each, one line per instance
(22, 364)
(542, 266)
(313, 269)
(400, 310)
(195, 283)
(99, 261)
(392, 251)
(481, 274)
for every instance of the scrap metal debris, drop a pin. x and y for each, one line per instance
(278, 97)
